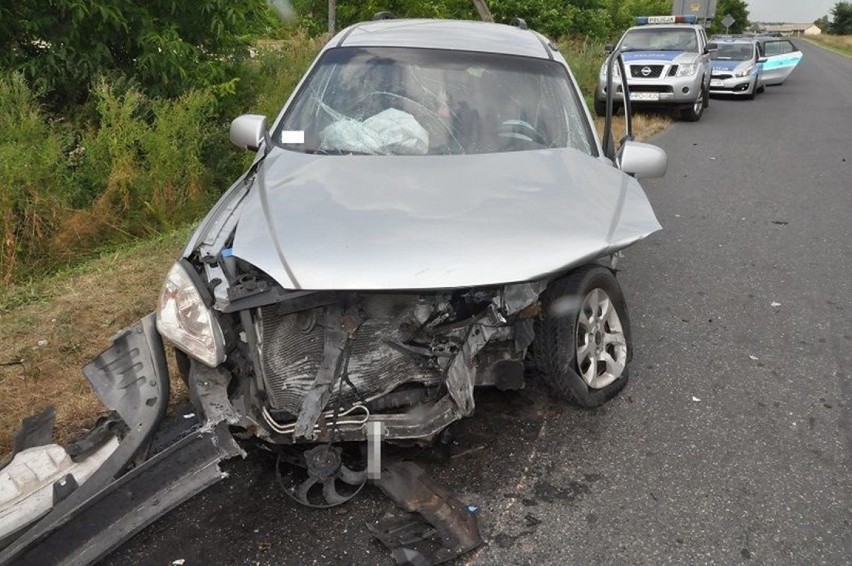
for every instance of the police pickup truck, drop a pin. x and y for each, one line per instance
(667, 59)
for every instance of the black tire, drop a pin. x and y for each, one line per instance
(600, 108)
(556, 336)
(690, 114)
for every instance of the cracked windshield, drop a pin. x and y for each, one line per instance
(380, 101)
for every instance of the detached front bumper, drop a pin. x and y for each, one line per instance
(668, 91)
(130, 489)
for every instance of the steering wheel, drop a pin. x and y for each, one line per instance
(521, 130)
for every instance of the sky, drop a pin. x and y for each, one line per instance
(790, 11)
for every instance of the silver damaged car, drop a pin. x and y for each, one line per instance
(431, 209)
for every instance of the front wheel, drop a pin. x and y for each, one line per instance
(752, 92)
(600, 108)
(582, 345)
(694, 112)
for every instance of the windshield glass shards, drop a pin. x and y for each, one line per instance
(404, 101)
(654, 39)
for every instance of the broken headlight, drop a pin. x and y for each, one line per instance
(186, 321)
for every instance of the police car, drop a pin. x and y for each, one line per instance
(668, 65)
(737, 68)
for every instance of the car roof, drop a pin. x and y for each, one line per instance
(455, 35)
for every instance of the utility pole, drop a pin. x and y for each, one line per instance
(484, 12)
(332, 16)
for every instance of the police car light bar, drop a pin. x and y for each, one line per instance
(646, 20)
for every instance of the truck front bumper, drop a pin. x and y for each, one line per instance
(667, 91)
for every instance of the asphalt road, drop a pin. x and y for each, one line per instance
(733, 441)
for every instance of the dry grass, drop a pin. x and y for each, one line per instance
(645, 126)
(73, 315)
(838, 43)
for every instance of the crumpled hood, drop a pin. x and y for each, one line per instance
(677, 57)
(378, 223)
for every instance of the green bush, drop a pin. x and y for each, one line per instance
(32, 164)
(585, 56)
(125, 164)
(141, 168)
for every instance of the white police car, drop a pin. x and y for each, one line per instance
(737, 68)
(668, 65)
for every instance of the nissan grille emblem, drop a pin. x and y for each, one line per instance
(646, 71)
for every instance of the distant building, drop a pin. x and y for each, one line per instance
(790, 29)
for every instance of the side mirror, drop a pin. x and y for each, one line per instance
(762, 59)
(642, 160)
(609, 48)
(711, 47)
(248, 131)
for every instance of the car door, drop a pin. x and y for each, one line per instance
(781, 58)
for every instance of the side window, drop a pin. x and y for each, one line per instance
(773, 48)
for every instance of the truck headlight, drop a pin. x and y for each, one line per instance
(616, 72)
(184, 319)
(686, 70)
(744, 72)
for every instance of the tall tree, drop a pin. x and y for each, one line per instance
(823, 24)
(841, 18)
(738, 9)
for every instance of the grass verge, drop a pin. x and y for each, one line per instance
(838, 43)
(50, 328)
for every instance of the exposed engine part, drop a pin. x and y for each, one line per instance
(401, 398)
(291, 350)
(461, 370)
(318, 477)
(287, 429)
(335, 359)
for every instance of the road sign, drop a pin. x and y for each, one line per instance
(728, 21)
(702, 9)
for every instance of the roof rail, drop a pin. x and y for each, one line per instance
(519, 23)
(383, 16)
